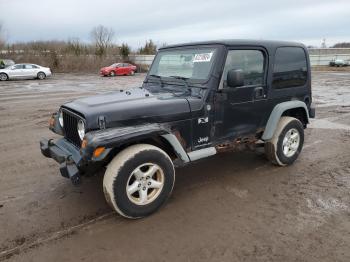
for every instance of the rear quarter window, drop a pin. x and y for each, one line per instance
(290, 68)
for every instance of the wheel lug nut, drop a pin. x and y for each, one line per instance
(148, 177)
(144, 188)
(139, 185)
(149, 183)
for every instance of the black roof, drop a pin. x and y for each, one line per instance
(240, 42)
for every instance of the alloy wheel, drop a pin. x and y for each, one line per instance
(145, 184)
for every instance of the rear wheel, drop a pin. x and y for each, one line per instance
(287, 142)
(41, 75)
(3, 77)
(139, 180)
(132, 73)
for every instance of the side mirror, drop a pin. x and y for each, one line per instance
(235, 78)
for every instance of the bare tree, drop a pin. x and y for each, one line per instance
(102, 38)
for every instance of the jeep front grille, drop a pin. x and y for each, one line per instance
(70, 124)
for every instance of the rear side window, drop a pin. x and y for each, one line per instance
(290, 69)
(30, 67)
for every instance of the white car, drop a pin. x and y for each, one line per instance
(24, 71)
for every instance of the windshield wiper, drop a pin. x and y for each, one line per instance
(160, 79)
(188, 89)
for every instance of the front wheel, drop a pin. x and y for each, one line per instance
(287, 142)
(3, 77)
(41, 76)
(139, 180)
(112, 73)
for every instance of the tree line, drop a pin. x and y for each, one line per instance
(102, 44)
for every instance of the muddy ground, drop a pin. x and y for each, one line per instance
(231, 207)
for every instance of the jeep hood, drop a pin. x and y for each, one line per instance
(130, 107)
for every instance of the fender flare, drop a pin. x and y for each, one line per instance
(276, 114)
(114, 137)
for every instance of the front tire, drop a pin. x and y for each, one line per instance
(139, 180)
(3, 77)
(287, 142)
(112, 74)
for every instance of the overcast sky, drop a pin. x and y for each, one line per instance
(176, 21)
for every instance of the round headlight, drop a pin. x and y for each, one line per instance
(81, 129)
(60, 118)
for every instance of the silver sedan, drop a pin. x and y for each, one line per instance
(24, 71)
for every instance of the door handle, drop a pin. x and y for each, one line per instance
(259, 93)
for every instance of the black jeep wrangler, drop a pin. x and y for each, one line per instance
(198, 99)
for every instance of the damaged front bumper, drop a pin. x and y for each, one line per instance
(67, 155)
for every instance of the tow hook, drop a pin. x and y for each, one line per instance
(69, 170)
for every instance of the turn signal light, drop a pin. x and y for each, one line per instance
(98, 151)
(84, 143)
(51, 122)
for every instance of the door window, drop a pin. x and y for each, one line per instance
(30, 67)
(290, 67)
(251, 62)
(18, 67)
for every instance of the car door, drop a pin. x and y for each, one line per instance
(124, 69)
(239, 110)
(119, 69)
(16, 71)
(29, 71)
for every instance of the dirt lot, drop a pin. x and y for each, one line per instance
(231, 207)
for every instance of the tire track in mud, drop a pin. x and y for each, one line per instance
(34, 243)
(318, 209)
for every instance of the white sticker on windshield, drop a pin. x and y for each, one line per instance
(205, 57)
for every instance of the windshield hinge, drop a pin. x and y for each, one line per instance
(102, 122)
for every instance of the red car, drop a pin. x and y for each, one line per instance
(118, 69)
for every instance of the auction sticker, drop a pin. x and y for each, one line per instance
(204, 57)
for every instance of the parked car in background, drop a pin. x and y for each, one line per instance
(24, 71)
(6, 63)
(338, 62)
(118, 69)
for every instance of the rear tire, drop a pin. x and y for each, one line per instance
(3, 77)
(287, 142)
(41, 76)
(139, 180)
(132, 73)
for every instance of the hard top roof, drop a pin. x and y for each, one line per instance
(240, 42)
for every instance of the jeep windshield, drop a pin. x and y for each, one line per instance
(186, 63)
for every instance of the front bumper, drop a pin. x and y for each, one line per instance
(66, 155)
